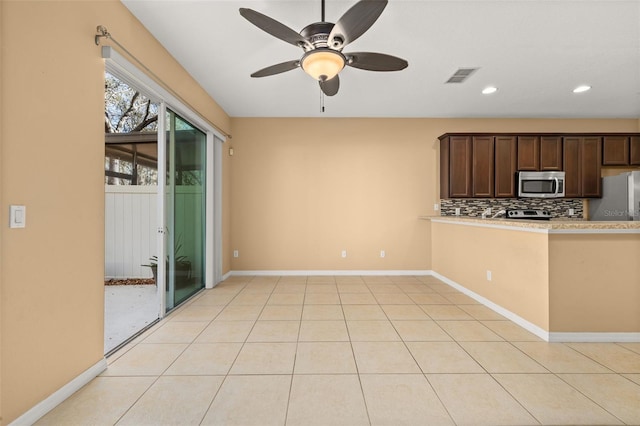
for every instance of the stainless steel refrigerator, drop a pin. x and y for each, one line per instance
(620, 198)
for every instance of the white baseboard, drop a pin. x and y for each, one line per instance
(567, 337)
(305, 272)
(586, 337)
(529, 326)
(52, 401)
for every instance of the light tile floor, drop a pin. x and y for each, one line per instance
(353, 350)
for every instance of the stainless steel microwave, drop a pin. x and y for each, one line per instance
(541, 184)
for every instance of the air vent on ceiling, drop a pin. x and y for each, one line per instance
(461, 75)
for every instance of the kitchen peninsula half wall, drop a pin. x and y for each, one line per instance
(561, 280)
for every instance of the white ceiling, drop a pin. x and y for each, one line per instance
(535, 52)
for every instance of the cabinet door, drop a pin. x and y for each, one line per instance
(483, 161)
(615, 151)
(634, 155)
(550, 153)
(460, 166)
(571, 150)
(444, 168)
(505, 166)
(591, 164)
(528, 153)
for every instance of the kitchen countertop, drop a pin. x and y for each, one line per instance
(553, 226)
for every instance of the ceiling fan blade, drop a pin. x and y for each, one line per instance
(330, 87)
(274, 27)
(355, 22)
(375, 61)
(277, 69)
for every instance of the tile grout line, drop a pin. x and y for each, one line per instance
(599, 363)
(557, 375)
(418, 364)
(355, 361)
(224, 378)
(295, 354)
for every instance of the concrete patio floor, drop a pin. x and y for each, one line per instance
(128, 309)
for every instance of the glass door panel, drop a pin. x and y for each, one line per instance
(185, 209)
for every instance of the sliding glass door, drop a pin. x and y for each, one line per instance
(185, 204)
(186, 255)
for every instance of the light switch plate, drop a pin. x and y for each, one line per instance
(18, 217)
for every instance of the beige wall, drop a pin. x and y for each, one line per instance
(302, 190)
(51, 160)
(226, 207)
(518, 262)
(594, 283)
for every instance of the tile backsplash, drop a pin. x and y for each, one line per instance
(558, 207)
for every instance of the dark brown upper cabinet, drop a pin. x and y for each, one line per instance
(539, 153)
(482, 168)
(550, 153)
(505, 166)
(571, 153)
(467, 167)
(634, 153)
(615, 151)
(582, 166)
(455, 167)
(591, 164)
(621, 150)
(528, 153)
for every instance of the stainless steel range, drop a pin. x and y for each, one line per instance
(528, 214)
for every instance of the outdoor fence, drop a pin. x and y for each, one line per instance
(130, 230)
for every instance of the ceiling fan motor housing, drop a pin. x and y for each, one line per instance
(318, 35)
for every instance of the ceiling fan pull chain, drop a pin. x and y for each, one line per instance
(321, 101)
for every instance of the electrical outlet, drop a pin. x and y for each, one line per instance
(382, 253)
(457, 211)
(489, 275)
(344, 253)
(236, 253)
(436, 206)
(572, 212)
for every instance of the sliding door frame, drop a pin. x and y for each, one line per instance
(119, 66)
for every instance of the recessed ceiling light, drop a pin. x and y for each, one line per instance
(581, 89)
(489, 90)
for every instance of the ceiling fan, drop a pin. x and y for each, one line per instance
(323, 42)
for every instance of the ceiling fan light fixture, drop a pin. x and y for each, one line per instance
(323, 64)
